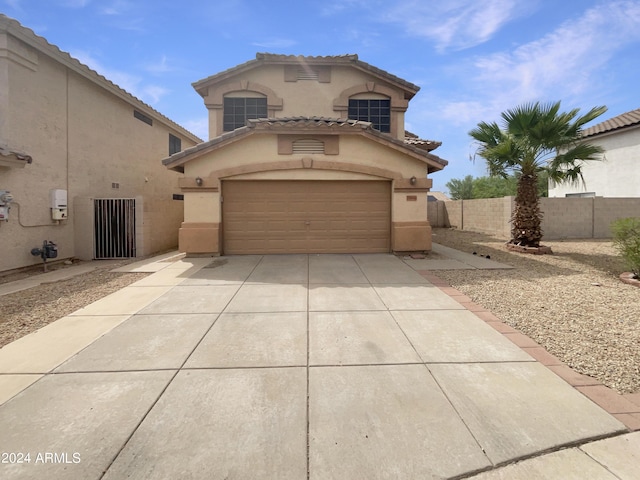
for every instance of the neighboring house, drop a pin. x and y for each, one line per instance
(306, 155)
(438, 197)
(618, 175)
(70, 136)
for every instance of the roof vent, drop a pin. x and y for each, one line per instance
(307, 74)
(307, 146)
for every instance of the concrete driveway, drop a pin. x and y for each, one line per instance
(291, 367)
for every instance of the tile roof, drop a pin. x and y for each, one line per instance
(628, 119)
(347, 59)
(10, 157)
(306, 123)
(41, 44)
(413, 139)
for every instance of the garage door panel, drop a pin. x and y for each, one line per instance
(306, 217)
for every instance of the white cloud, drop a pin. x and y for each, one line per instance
(14, 4)
(159, 67)
(451, 24)
(276, 43)
(455, 24)
(74, 3)
(131, 83)
(199, 127)
(154, 93)
(116, 8)
(566, 60)
(334, 7)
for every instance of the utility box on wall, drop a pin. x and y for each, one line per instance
(58, 204)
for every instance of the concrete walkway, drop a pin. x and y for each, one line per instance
(455, 260)
(299, 366)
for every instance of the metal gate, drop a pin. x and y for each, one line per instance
(114, 228)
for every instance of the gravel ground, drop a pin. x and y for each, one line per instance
(28, 310)
(571, 302)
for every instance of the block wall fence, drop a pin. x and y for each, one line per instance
(563, 217)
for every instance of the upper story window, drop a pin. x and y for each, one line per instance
(237, 110)
(175, 144)
(376, 111)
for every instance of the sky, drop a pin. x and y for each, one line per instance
(472, 59)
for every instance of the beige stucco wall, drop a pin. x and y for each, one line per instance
(83, 139)
(305, 97)
(256, 157)
(617, 175)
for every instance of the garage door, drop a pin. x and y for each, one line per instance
(306, 217)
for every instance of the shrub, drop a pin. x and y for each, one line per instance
(626, 237)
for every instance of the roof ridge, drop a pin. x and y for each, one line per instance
(13, 26)
(346, 59)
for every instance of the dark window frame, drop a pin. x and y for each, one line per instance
(374, 110)
(143, 118)
(237, 110)
(175, 144)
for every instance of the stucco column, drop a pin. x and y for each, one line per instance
(200, 231)
(410, 228)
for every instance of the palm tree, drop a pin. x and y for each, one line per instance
(535, 138)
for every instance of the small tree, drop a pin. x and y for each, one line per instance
(535, 138)
(460, 189)
(626, 232)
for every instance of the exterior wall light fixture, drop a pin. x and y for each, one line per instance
(413, 180)
(199, 181)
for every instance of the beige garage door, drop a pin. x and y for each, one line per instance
(306, 217)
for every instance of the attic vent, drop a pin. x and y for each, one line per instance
(307, 74)
(308, 145)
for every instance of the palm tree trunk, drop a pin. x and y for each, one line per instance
(526, 218)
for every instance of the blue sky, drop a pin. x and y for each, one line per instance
(471, 59)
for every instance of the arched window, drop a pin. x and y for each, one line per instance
(238, 109)
(375, 110)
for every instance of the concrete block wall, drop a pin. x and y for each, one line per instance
(485, 215)
(488, 215)
(454, 213)
(567, 217)
(437, 214)
(563, 217)
(607, 210)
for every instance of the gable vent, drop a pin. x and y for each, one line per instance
(307, 74)
(308, 145)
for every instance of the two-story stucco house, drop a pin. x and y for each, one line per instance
(618, 175)
(72, 139)
(306, 155)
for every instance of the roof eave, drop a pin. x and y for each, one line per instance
(611, 131)
(177, 161)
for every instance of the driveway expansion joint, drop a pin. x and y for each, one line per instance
(345, 402)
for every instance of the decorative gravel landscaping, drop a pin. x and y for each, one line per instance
(571, 302)
(29, 310)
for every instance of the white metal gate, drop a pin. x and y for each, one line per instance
(114, 228)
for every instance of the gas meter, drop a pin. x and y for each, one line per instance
(48, 250)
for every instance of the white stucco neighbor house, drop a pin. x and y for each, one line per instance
(306, 155)
(618, 175)
(79, 159)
